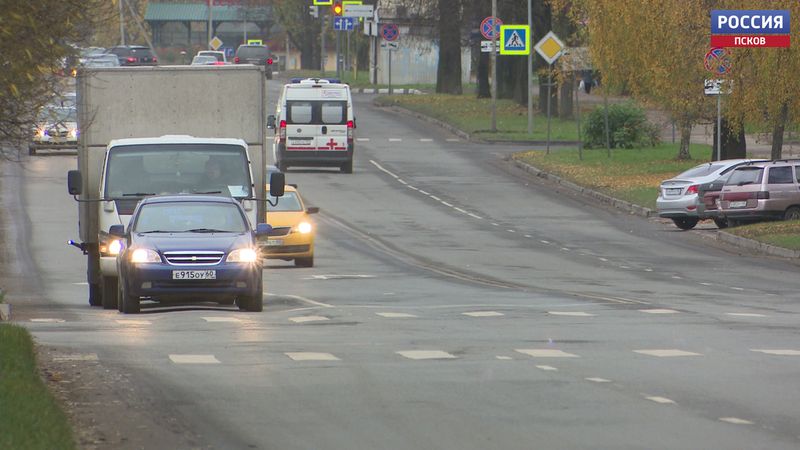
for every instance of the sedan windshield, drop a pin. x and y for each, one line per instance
(182, 217)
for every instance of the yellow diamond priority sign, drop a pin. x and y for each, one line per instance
(215, 43)
(550, 47)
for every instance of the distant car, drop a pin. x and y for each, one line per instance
(679, 198)
(292, 235)
(259, 55)
(104, 60)
(218, 55)
(203, 60)
(55, 127)
(762, 191)
(134, 55)
(189, 248)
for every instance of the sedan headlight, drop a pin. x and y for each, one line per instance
(115, 247)
(41, 132)
(145, 255)
(73, 133)
(303, 227)
(246, 255)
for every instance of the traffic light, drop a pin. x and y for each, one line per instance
(338, 9)
(313, 10)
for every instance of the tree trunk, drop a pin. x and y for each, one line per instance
(484, 87)
(686, 137)
(448, 73)
(734, 145)
(777, 132)
(565, 106)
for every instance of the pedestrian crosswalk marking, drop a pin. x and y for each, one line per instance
(666, 353)
(545, 353)
(425, 354)
(311, 356)
(194, 359)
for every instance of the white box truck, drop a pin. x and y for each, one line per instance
(159, 130)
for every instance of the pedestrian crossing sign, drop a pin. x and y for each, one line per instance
(515, 40)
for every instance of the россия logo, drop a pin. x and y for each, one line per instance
(750, 28)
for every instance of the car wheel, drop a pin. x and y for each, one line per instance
(129, 303)
(792, 213)
(685, 223)
(347, 167)
(95, 295)
(733, 223)
(721, 223)
(304, 262)
(254, 303)
(109, 285)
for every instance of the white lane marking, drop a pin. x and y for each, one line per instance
(462, 211)
(666, 353)
(778, 351)
(47, 320)
(483, 314)
(396, 315)
(603, 259)
(735, 420)
(570, 313)
(402, 181)
(382, 169)
(706, 284)
(624, 267)
(528, 236)
(83, 283)
(545, 353)
(304, 319)
(362, 139)
(675, 277)
(309, 301)
(565, 249)
(339, 276)
(311, 356)
(474, 216)
(435, 197)
(424, 192)
(452, 140)
(495, 224)
(745, 315)
(221, 319)
(425, 354)
(134, 322)
(648, 270)
(737, 288)
(449, 205)
(662, 400)
(511, 231)
(426, 140)
(76, 357)
(194, 359)
(658, 311)
(412, 187)
(547, 368)
(395, 140)
(598, 380)
(504, 358)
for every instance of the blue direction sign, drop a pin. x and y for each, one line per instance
(390, 32)
(344, 23)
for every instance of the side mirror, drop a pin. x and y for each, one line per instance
(312, 210)
(117, 230)
(263, 229)
(277, 184)
(271, 122)
(74, 182)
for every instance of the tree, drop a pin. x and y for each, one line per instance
(35, 40)
(448, 72)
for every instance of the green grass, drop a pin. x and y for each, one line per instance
(781, 234)
(30, 418)
(473, 115)
(630, 174)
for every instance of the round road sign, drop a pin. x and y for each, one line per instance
(390, 32)
(718, 60)
(490, 27)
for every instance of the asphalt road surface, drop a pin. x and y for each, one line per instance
(455, 304)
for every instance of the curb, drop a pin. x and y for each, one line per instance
(5, 312)
(752, 244)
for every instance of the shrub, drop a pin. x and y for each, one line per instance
(628, 127)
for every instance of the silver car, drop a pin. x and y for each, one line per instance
(679, 197)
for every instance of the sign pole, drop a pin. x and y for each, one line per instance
(578, 113)
(494, 69)
(210, 22)
(390, 70)
(338, 58)
(530, 76)
(549, 86)
(719, 126)
(322, 45)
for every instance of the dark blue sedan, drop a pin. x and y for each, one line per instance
(190, 249)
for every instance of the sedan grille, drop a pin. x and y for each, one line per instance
(200, 258)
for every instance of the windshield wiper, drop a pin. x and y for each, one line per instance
(206, 230)
(139, 194)
(157, 231)
(745, 182)
(206, 192)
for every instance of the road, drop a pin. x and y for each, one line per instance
(455, 304)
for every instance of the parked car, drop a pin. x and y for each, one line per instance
(679, 198)
(104, 60)
(762, 191)
(217, 55)
(134, 55)
(203, 60)
(259, 55)
(292, 235)
(56, 127)
(189, 248)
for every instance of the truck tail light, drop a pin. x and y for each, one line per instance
(269, 61)
(131, 59)
(762, 195)
(692, 189)
(236, 60)
(282, 130)
(350, 127)
(155, 60)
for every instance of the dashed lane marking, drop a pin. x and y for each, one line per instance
(221, 319)
(662, 400)
(452, 140)
(395, 140)
(598, 380)
(483, 314)
(426, 140)
(737, 288)
(362, 139)
(504, 358)
(545, 353)
(194, 359)
(666, 353)
(570, 313)
(76, 357)
(547, 368)
(83, 283)
(339, 277)
(675, 277)
(306, 300)
(396, 315)
(311, 356)
(306, 319)
(778, 351)
(658, 311)
(745, 315)
(48, 320)
(425, 354)
(134, 322)
(735, 420)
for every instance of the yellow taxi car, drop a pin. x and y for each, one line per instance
(292, 235)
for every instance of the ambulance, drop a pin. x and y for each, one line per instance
(314, 125)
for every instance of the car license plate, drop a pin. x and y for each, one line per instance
(674, 191)
(740, 204)
(274, 242)
(194, 274)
